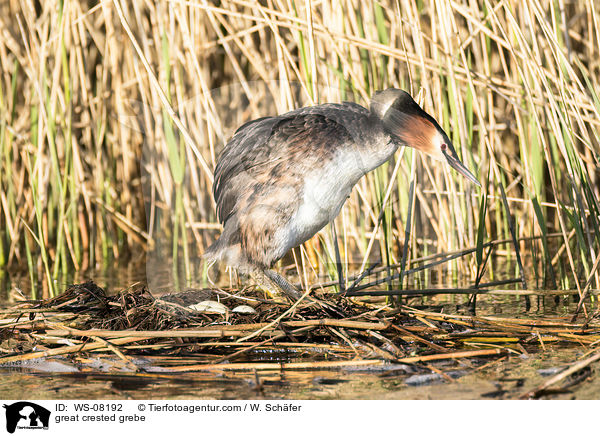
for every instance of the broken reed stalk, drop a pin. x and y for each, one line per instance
(223, 331)
(577, 366)
(420, 339)
(283, 366)
(587, 288)
(337, 364)
(112, 347)
(479, 291)
(68, 349)
(499, 320)
(266, 341)
(448, 256)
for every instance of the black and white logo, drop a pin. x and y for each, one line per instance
(26, 415)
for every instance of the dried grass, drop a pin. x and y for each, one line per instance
(90, 91)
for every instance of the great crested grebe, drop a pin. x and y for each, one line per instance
(281, 179)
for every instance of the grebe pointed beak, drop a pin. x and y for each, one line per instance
(455, 163)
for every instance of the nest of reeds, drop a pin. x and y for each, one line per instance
(138, 309)
(135, 309)
(212, 329)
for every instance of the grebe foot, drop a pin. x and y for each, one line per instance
(275, 285)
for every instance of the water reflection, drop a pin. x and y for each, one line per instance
(506, 378)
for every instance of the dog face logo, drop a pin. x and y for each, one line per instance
(24, 414)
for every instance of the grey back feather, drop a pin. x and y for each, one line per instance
(252, 145)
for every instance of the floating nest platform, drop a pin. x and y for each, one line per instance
(212, 330)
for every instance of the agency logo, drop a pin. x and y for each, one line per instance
(26, 415)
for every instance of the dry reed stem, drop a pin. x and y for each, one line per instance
(455, 355)
(68, 350)
(287, 366)
(266, 341)
(560, 376)
(420, 339)
(221, 331)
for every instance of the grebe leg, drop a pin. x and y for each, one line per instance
(275, 284)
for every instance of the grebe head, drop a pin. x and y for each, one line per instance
(404, 119)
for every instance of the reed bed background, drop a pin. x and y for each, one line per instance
(114, 113)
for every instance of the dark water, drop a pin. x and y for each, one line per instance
(505, 379)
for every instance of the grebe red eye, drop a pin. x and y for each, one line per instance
(444, 146)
